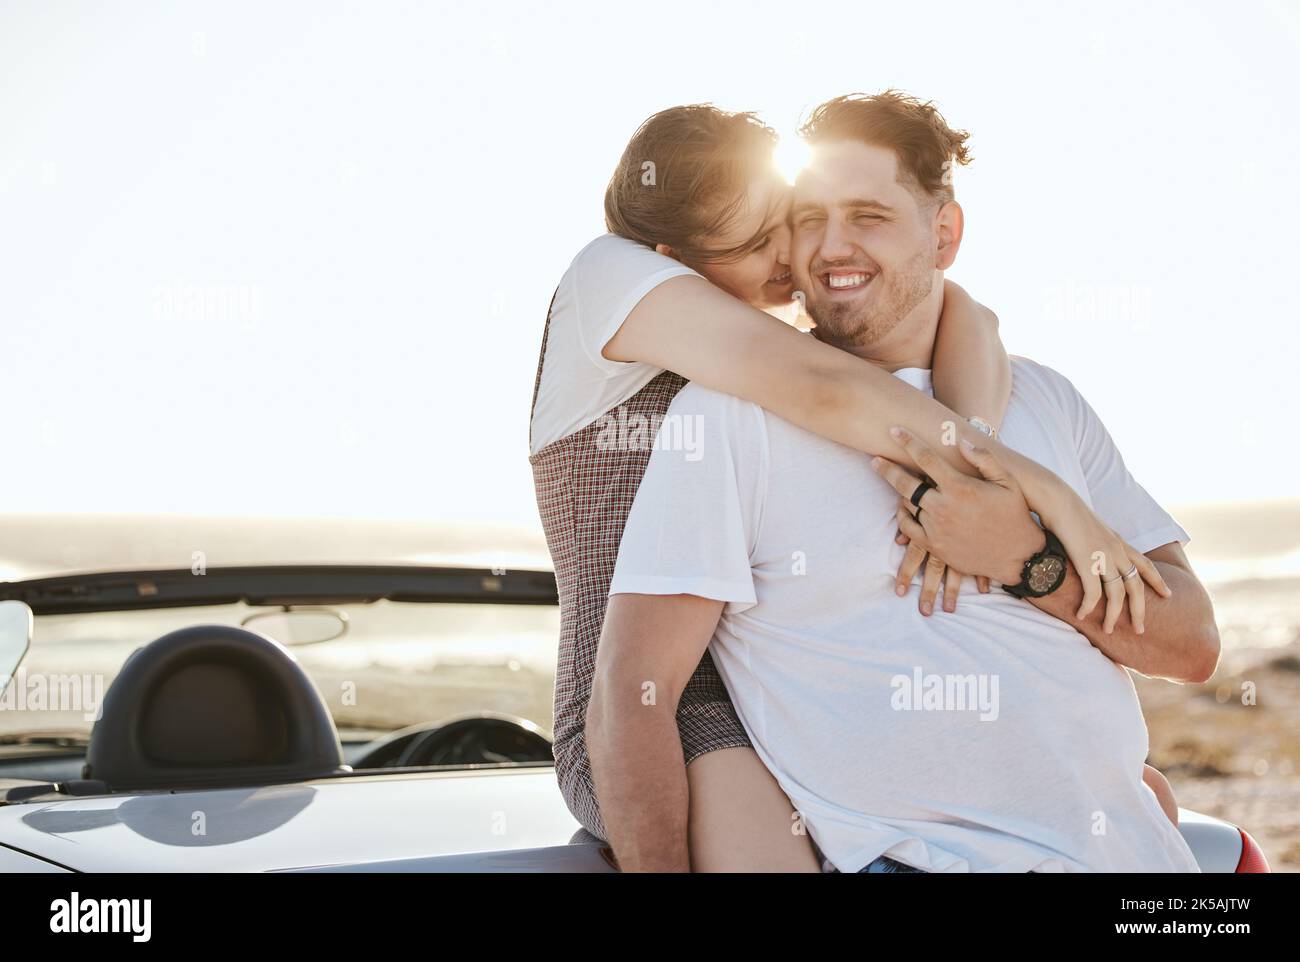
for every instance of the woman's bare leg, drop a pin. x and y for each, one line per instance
(1164, 791)
(741, 820)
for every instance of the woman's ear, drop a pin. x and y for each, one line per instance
(667, 251)
(949, 222)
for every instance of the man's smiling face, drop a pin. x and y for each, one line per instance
(863, 248)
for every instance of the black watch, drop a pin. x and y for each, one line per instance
(1043, 573)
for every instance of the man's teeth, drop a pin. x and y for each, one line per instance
(845, 280)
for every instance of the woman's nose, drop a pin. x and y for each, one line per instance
(781, 247)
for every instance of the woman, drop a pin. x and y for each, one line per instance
(697, 252)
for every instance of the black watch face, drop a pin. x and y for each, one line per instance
(1045, 574)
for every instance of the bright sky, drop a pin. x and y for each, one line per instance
(294, 258)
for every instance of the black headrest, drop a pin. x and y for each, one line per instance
(209, 705)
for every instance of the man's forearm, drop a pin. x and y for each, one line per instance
(640, 779)
(1180, 641)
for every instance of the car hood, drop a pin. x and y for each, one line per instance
(423, 820)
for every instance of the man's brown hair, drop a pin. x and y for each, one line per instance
(684, 175)
(926, 147)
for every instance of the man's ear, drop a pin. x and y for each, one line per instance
(667, 251)
(948, 224)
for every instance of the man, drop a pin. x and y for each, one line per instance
(1003, 736)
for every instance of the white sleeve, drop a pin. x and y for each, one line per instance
(693, 525)
(611, 275)
(1116, 496)
(594, 297)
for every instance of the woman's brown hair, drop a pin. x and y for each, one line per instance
(685, 175)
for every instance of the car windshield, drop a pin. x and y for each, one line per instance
(399, 663)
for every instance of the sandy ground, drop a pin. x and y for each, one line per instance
(1230, 758)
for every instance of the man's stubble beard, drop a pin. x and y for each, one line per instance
(853, 325)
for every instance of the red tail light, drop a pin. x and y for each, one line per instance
(1252, 856)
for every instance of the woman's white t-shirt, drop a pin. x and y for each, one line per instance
(578, 385)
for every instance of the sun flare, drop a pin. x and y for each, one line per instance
(791, 156)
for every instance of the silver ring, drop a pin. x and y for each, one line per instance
(1132, 573)
(984, 427)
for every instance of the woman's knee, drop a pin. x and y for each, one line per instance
(1163, 790)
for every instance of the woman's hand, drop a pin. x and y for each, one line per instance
(983, 526)
(1100, 556)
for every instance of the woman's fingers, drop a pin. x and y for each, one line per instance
(982, 583)
(1101, 558)
(951, 587)
(1115, 596)
(1150, 573)
(930, 583)
(1131, 589)
(1137, 603)
(1088, 546)
(1091, 582)
(1137, 595)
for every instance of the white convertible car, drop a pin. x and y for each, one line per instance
(206, 695)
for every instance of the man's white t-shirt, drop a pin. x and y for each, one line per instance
(995, 738)
(579, 385)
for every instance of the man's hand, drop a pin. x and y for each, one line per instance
(936, 573)
(980, 527)
(1165, 637)
(1086, 529)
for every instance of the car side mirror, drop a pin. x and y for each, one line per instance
(15, 636)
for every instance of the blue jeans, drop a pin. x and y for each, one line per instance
(880, 866)
(885, 865)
